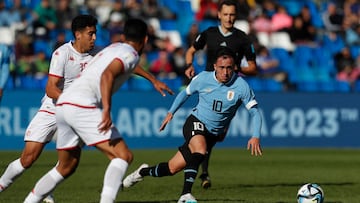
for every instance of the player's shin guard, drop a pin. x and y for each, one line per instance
(112, 180)
(159, 170)
(44, 186)
(14, 170)
(191, 170)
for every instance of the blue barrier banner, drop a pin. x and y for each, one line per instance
(289, 120)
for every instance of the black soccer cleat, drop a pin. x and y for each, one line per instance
(205, 181)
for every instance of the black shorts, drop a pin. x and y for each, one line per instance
(193, 127)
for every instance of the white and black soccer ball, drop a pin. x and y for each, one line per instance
(310, 193)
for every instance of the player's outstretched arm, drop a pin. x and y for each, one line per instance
(158, 85)
(166, 120)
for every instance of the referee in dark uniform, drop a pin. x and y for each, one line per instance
(212, 38)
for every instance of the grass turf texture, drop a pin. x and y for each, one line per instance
(236, 176)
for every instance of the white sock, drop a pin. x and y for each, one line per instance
(112, 180)
(14, 170)
(45, 186)
(32, 198)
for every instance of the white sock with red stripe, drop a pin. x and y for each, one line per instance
(112, 180)
(14, 170)
(44, 186)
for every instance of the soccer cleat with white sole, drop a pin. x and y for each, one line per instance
(49, 199)
(187, 198)
(134, 177)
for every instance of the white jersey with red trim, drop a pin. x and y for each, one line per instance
(67, 64)
(85, 91)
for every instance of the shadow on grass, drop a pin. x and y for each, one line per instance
(286, 185)
(224, 200)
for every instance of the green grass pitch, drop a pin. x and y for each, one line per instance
(237, 177)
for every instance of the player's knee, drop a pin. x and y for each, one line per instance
(27, 160)
(67, 169)
(175, 168)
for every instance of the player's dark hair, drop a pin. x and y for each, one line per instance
(80, 22)
(223, 51)
(228, 3)
(135, 30)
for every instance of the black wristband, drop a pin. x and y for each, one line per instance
(188, 65)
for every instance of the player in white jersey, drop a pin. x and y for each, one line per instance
(221, 92)
(66, 64)
(83, 114)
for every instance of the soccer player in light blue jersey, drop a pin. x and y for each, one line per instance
(221, 92)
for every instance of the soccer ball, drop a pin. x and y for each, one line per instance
(310, 193)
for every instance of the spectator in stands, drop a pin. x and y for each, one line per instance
(207, 10)
(281, 20)
(243, 10)
(261, 23)
(116, 22)
(133, 8)
(24, 54)
(40, 66)
(8, 17)
(192, 34)
(269, 7)
(333, 17)
(154, 43)
(304, 26)
(177, 60)
(26, 14)
(64, 14)
(268, 66)
(45, 20)
(118, 10)
(301, 33)
(352, 35)
(346, 66)
(60, 40)
(152, 9)
(161, 67)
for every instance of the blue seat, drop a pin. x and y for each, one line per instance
(140, 84)
(333, 45)
(327, 86)
(303, 55)
(271, 85)
(357, 86)
(293, 7)
(28, 82)
(308, 86)
(343, 86)
(255, 83)
(166, 24)
(355, 51)
(173, 83)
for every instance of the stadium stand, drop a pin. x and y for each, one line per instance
(310, 66)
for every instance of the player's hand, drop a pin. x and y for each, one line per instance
(190, 72)
(254, 145)
(166, 120)
(162, 87)
(106, 122)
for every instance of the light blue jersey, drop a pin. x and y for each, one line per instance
(218, 102)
